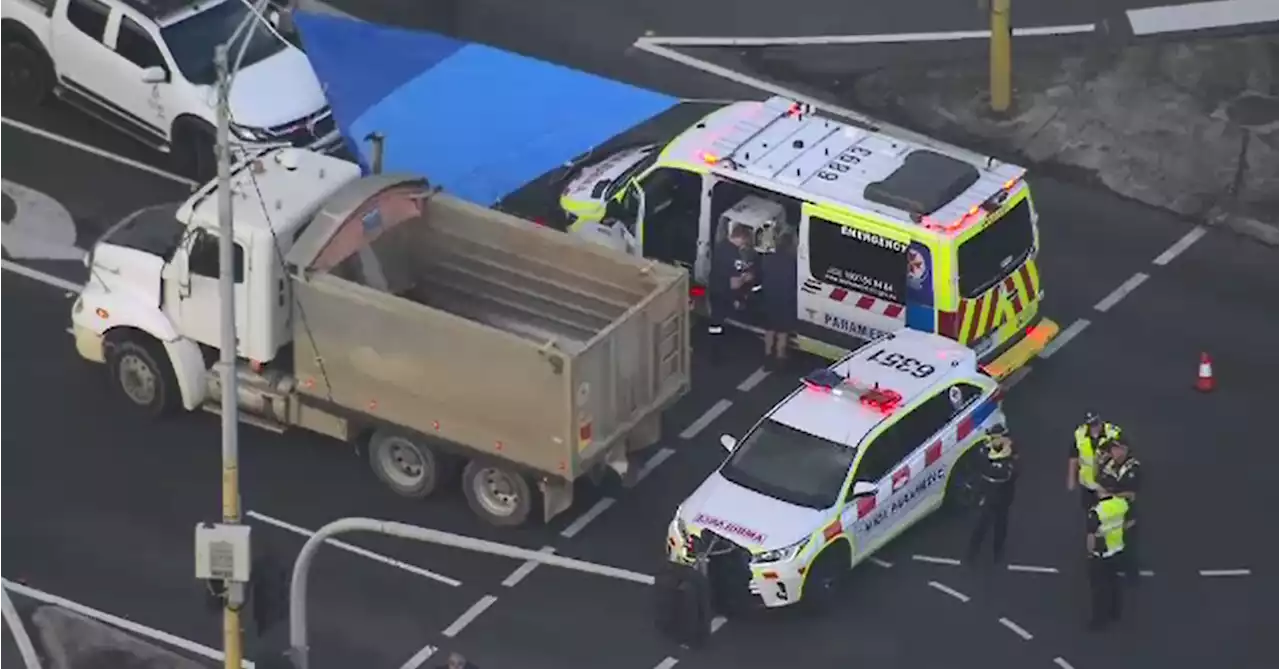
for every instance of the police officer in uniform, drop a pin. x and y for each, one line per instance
(1106, 525)
(1083, 462)
(730, 283)
(1119, 477)
(998, 479)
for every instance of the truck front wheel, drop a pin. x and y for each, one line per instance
(499, 496)
(408, 466)
(140, 372)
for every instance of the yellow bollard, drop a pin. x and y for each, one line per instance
(1001, 56)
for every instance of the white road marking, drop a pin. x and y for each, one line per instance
(1016, 629)
(419, 658)
(101, 153)
(71, 331)
(1063, 664)
(950, 591)
(1016, 377)
(936, 560)
(667, 663)
(1032, 568)
(469, 616)
(886, 38)
(1201, 15)
(658, 458)
(1119, 293)
(753, 380)
(356, 549)
(1225, 572)
(881, 563)
(1065, 337)
(525, 569)
(576, 526)
(19, 631)
(1146, 572)
(41, 228)
(42, 277)
(1180, 245)
(718, 622)
(117, 621)
(705, 419)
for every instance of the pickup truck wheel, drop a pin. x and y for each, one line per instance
(499, 496)
(408, 467)
(28, 77)
(142, 376)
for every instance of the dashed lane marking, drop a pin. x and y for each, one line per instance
(881, 563)
(469, 616)
(42, 277)
(1146, 572)
(577, 526)
(1034, 569)
(1200, 16)
(440, 578)
(101, 153)
(950, 591)
(117, 621)
(658, 458)
(1180, 246)
(1065, 337)
(753, 380)
(886, 38)
(706, 419)
(718, 622)
(936, 560)
(525, 569)
(1062, 663)
(1120, 292)
(667, 663)
(419, 658)
(1016, 629)
(1225, 572)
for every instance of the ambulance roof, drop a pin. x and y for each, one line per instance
(280, 193)
(778, 145)
(843, 419)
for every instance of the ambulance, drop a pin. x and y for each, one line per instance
(892, 233)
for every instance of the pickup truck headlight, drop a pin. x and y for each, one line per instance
(249, 134)
(780, 554)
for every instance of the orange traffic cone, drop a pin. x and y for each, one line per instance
(1204, 378)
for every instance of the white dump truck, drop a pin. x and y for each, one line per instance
(433, 334)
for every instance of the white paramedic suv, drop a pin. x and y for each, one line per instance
(860, 452)
(146, 67)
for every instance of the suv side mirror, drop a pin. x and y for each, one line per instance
(155, 75)
(728, 442)
(863, 489)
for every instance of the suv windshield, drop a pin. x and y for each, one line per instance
(193, 40)
(790, 465)
(996, 251)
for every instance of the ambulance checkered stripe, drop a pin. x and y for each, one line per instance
(864, 302)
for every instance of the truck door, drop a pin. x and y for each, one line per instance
(194, 304)
(140, 101)
(852, 275)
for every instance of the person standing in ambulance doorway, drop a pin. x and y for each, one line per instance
(1119, 476)
(1106, 525)
(998, 478)
(780, 306)
(1082, 465)
(730, 283)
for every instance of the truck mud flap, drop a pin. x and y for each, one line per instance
(557, 496)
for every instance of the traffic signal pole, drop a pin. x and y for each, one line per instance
(1001, 56)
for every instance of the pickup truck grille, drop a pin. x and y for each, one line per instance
(304, 131)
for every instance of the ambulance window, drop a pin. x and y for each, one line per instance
(858, 260)
(909, 433)
(961, 395)
(996, 251)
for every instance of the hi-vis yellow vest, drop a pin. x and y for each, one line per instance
(1111, 514)
(1086, 453)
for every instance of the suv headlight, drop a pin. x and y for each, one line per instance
(780, 554)
(682, 529)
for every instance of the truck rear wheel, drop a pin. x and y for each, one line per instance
(409, 467)
(141, 374)
(499, 496)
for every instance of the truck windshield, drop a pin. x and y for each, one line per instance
(790, 465)
(996, 251)
(193, 40)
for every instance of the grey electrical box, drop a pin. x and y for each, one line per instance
(222, 552)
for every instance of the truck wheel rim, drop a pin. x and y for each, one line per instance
(403, 463)
(137, 380)
(496, 492)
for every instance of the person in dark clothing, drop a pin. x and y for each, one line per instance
(999, 477)
(779, 270)
(731, 280)
(457, 661)
(1120, 476)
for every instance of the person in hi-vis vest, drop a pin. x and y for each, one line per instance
(1086, 447)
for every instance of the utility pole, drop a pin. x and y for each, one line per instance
(234, 593)
(1001, 83)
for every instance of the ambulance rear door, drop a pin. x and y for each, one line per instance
(852, 277)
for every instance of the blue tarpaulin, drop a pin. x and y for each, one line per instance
(478, 121)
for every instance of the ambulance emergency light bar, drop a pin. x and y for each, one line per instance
(871, 396)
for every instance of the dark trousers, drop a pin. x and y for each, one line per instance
(993, 514)
(1104, 590)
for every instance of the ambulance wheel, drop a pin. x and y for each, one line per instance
(963, 482)
(407, 466)
(822, 584)
(498, 495)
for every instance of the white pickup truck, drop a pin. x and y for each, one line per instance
(146, 67)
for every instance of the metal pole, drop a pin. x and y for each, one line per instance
(298, 584)
(1001, 56)
(231, 641)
